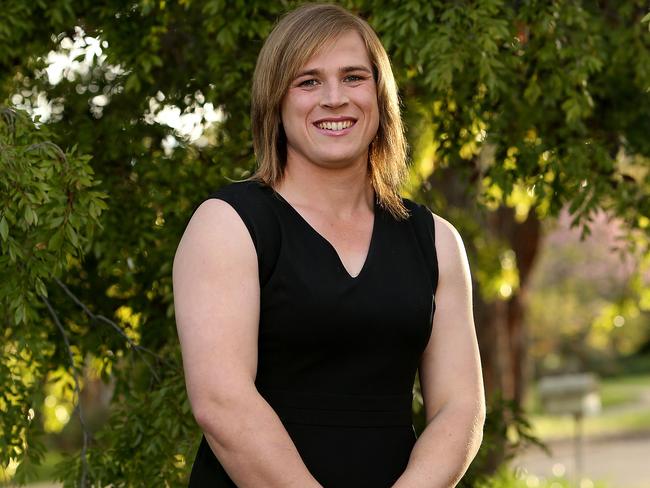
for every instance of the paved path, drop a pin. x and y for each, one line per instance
(621, 462)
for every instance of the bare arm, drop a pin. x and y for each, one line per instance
(216, 298)
(450, 376)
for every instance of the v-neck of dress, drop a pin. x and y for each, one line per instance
(327, 243)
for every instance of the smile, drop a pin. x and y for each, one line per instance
(335, 126)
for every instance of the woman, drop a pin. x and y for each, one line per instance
(305, 296)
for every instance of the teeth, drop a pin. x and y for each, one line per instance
(335, 125)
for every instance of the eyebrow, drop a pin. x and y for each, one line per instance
(345, 69)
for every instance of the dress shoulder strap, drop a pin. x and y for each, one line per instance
(422, 222)
(250, 199)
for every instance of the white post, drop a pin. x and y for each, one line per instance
(578, 448)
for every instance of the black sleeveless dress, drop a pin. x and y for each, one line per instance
(337, 354)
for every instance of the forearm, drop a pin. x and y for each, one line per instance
(253, 446)
(445, 449)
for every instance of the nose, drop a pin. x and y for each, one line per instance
(333, 95)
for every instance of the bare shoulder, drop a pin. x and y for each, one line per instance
(215, 222)
(450, 249)
(215, 266)
(445, 230)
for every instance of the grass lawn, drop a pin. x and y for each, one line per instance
(625, 409)
(554, 427)
(626, 389)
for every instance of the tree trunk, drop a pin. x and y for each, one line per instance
(500, 324)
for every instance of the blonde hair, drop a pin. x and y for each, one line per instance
(294, 40)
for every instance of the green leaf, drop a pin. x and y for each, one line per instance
(55, 222)
(19, 315)
(132, 84)
(72, 235)
(56, 240)
(4, 228)
(12, 251)
(40, 287)
(29, 215)
(532, 92)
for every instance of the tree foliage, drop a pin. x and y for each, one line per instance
(535, 105)
(587, 301)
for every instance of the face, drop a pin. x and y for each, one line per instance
(330, 113)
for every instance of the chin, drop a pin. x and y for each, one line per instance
(337, 160)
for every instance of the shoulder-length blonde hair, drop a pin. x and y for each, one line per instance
(294, 40)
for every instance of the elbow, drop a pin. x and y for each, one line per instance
(205, 414)
(479, 425)
(481, 415)
(222, 417)
(219, 424)
(473, 416)
(209, 415)
(214, 411)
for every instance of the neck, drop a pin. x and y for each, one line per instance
(342, 192)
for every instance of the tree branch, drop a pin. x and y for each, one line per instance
(77, 389)
(105, 320)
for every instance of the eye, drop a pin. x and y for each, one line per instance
(355, 79)
(308, 83)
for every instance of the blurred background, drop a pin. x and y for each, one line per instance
(529, 129)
